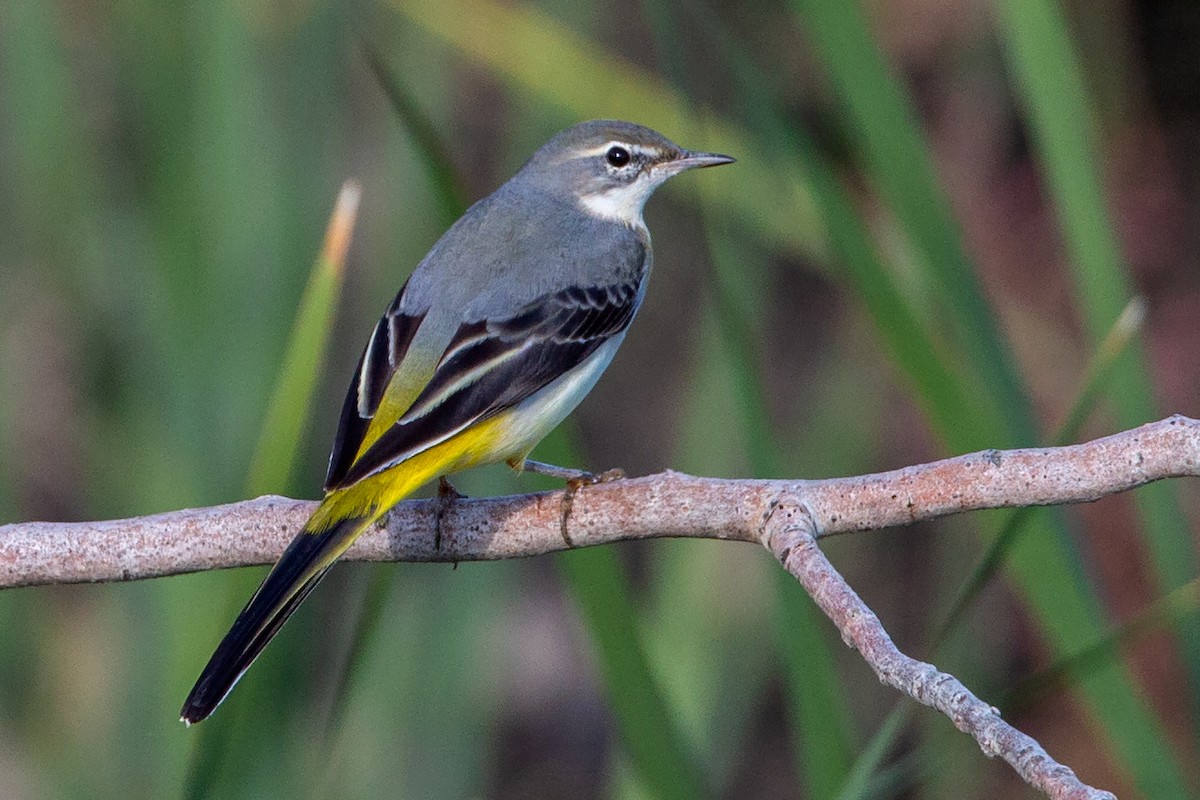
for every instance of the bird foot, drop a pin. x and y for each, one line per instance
(447, 496)
(573, 486)
(576, 479)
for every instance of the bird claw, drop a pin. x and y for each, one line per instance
(573, 487)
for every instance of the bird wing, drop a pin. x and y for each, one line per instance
(489, 365)
(377, 367)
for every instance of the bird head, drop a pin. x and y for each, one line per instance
(609, 168)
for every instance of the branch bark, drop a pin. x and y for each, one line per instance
(665, 505)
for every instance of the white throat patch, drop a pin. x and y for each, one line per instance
(623, 204)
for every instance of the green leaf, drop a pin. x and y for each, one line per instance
(860, 781)
(1162, 613)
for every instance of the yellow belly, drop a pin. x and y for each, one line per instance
(375, 494)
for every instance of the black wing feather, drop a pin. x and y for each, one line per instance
(545, 339)
(384, 351)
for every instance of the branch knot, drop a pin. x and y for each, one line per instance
(787, 526)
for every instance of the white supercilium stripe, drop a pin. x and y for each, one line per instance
(604, 148)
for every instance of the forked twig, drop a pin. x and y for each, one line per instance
(787, 517)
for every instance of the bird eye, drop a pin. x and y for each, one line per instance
(617, 156)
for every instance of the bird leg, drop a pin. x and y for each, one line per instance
(576, 479)
(447, 496)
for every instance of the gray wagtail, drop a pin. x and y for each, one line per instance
(496, 336)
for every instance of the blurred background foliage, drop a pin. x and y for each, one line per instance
(940, 209)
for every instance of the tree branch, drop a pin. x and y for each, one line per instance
(665, 505)
(791, 537)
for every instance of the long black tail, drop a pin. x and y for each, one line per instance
(298, 571)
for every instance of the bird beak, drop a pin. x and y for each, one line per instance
(689, 159)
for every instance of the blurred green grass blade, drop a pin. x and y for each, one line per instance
(206, 761)
(1104, 360)
(1065, 131)
(44, 156)
(421, 715)
(1045, 563)
(596, 581)
(649, 726)
(451, 196)
(820, 711)
(1049, 572)
(537, 54)
(1064, 126)
(709, 631)
(272, 464)
(882, 121)
(693, 667)
(870, 762)
(1165, 612)
(709, 644)
(365, 620)
(939, 387)
(291, 401)
(1119, 339)
(816, 692)
(738, 295)
(663, 21)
